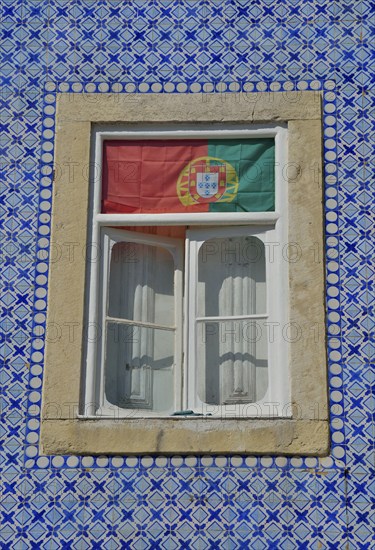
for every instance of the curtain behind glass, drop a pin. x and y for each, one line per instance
(139, 359)
(232, 354)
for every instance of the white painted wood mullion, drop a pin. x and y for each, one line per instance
(233, 317)
(190, 377)
(278, 277)
(178, 365)
(124, 321)
(107, 245)
(91, 374)
(203, 218)
(188, 131)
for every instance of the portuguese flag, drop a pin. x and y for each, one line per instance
(188, 175)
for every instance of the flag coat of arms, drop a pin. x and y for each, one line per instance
(181, 175)
(207, 181)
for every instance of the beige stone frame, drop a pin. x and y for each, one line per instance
(307, 432)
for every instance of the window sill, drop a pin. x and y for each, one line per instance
(192, 436)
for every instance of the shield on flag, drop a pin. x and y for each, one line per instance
(207, 180)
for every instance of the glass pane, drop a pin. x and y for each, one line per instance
(141, 283)
(139, 367)
(231, 277)
(232, 363)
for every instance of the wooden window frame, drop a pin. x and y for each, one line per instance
(271, 224)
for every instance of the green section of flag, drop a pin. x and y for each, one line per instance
(254, 162)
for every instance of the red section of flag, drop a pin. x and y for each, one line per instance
(140, 176)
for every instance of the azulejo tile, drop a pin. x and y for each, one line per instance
(171, 46)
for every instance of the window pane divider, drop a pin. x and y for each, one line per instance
(233, 317)
(138, 323)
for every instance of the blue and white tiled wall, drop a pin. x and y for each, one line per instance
(195, 46)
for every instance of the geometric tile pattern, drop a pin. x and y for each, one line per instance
(200, 46)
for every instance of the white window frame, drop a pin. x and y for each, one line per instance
(270, 227)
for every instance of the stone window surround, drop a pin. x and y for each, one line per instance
(307, 432)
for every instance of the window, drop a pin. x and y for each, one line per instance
(262, 393)
(185, 312)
